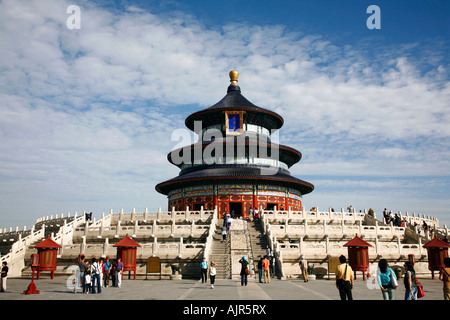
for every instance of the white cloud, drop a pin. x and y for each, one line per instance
(88, 114)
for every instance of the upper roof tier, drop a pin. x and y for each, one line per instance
(234, 100)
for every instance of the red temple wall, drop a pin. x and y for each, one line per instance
(223, 203)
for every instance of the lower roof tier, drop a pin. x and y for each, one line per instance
(249, 145)
(235, 174)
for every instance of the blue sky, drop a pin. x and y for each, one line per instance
(87, 116)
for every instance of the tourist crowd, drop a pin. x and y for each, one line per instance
(94, 276)
(421, 229)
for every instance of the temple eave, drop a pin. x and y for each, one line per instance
(303, 186)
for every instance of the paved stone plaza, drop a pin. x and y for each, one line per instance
(186, 297)
(323, 289)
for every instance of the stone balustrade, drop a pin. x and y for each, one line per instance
(325, 247)
(276, 215)
(290, 234)
(325, 227)
(152, 228)
(186, 215)
(176, 248)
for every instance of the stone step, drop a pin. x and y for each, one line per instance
(220, 253)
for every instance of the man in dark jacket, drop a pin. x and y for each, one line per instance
(83, 269)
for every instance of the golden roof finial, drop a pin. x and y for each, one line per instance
(234, 77)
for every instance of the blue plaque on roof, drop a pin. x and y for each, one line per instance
(234, 123)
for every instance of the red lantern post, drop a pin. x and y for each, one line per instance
(34, 263)
(437, 251)
(126, 250)
(358, 255)
(48, 251)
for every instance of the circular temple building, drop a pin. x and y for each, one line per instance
(234, 166)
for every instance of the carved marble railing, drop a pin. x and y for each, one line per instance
(140, 230)
(325, 227)
(325, 247)
(276, 215)
(185, 215)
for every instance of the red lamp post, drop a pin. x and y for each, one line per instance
(48, 251)
(126, 251)
(34, 263)
(437, 251)
(358, 255)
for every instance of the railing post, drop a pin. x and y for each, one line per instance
(180, 246)
(102, 223)
(118, 227)
(172, 215)
(301, 244)
(154, 228)
(83, 245)
(192, 226)
(105, 246)
(376, 229)
(136, 227)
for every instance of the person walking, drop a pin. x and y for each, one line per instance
(255, 214)
(225, 220)
(268, 251)
(260, 269)
(304, 268)
(387, 280)
(95, 272)
(118, 273)
(101, 265)
(4, 276)
(266, 266)
(212, 273)
(271, 265)
(83, 269)
(229, 221)
(224, 234)
(344, 279)
(410, 282)
(88, 282)
(386, 216)
(244, 270)
(106, 270)
(444, 276)
(204, 270)
(112, 272)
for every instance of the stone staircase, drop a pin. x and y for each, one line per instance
(258, 241)
(220, 253)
